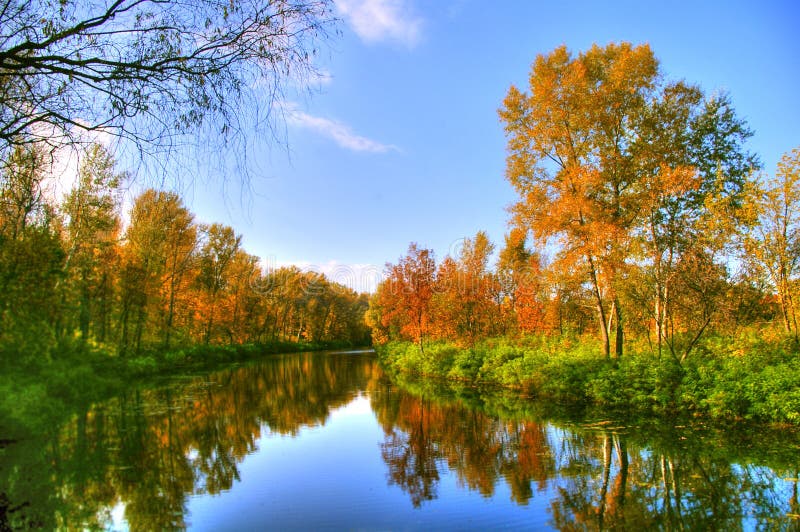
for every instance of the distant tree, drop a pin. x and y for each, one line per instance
(521, 282)
(464, 305)
(31, 255)
(243, 305)
(92, 235)
(157, 246)
(403, 300)
(215, 260)
(774, 243)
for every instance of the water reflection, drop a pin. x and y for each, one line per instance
(594, 475)
(148, 453)
(151, 449)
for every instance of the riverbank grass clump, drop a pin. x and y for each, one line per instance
(745, 378)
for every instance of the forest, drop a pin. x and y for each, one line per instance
(649, 261)
(78, 274)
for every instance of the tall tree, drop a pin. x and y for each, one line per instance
(158, 243)
(608, 159)
(403, 299)
(92, 234)
(215, 259)
(465, 304)
(31, 254)
(694, 175)
(569, 159)
(521, 282)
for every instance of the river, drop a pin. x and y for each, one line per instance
(329, 441)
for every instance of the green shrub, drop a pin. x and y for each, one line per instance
(747, 377)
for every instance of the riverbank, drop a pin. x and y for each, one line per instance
(725, 379)
(36, 390)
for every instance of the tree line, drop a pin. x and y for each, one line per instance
(641, 218)
(71, 269)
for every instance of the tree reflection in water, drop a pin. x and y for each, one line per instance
(594, 478)
(150, 450)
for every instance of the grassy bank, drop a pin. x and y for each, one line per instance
(37, 391)
(743, 378)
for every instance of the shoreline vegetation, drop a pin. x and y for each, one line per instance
(747, 379)
(92, 301)
(37, 393)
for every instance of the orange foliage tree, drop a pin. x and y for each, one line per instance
(613, 167)
(401, 305)
(465, 303)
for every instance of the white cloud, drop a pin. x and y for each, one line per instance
(376, 21)
(337, 131)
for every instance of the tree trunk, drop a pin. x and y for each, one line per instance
(601, 310)
(620, 336)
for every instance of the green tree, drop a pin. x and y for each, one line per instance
(92, 233)
(31, 255)
(694, 176)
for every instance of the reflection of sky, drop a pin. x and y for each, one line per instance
(335, 473)
(333, 477)
(118, 523)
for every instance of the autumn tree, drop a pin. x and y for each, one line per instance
(402, 301)
(608, 158)
(568, 160)
(465, 305)
(214, 261)
(244, 300)
(774, 243)
(180, 247)
(158, 246)
(521, 279)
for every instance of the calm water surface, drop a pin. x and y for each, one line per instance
(328, 441)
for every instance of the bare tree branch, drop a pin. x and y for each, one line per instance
(151, 71)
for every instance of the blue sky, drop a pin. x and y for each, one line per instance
(402, 142)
